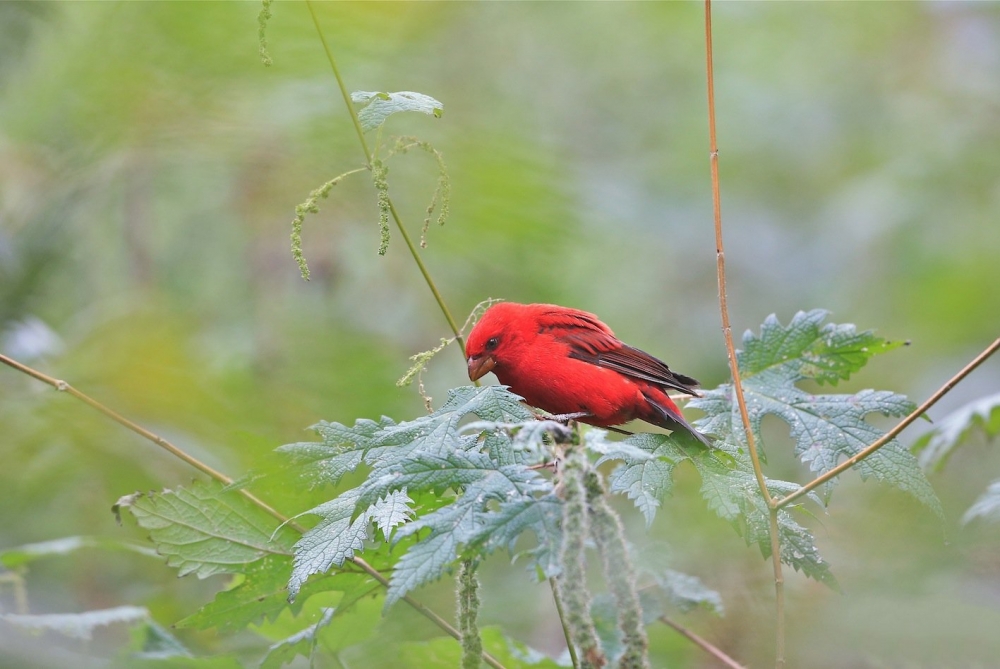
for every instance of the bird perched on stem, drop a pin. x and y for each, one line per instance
(566, 361)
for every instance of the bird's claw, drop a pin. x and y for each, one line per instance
(567, 417)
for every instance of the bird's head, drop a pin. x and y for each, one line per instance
(493, 339)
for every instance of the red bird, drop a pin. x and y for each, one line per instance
(567, 361)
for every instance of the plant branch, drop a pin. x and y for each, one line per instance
(572, 559)
(392, 209)
(779, 583)
(891, 434)
(557, 598)
(702, 643)
(63, 386)
(720, 256)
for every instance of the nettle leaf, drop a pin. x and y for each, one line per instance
(673, 589)
(935, 446)
(987, 506)
(205, 530)
(301, 643)
(687, 592)
(341, 451)
(484, 498)
(262, 594)
(330, 542)
(390, 511)
(20, 555)
(733, 493)
(826, 428)
(807, 349)
(156, 643)
(468, 521)
(379, 106)
(78, 625)
(648, 464)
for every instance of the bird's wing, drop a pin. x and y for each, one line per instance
(592, 341)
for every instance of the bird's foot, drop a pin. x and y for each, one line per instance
(566, 417)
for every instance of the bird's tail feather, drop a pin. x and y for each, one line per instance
(671, 418)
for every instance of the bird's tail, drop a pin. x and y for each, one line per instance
(666, 414)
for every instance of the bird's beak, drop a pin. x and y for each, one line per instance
(479, 367)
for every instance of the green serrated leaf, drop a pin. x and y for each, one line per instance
(334, 539)
(379, 106)
(425, 561)
(645, 476)
(341, 451)
(20, 555)
(808, 349)
(687, 592)
(826, 428)
(303, 643)
(494, 496)
(392, 510)
(262, 594)
(206, 531)
(936, 445)
(77, 625)
(986, 506)
(734, 494)
(798, 549)
(154, 642)
(468, 521)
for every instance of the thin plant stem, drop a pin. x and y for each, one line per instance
(702, 643)
(572, 559)
(65, 387)
(779, 582)
(468, 613)
(392, 209)
(215, 474)
(557, 598)
(891, 434)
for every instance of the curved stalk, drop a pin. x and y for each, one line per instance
(891, 434)
(727, 332)
(392, 209)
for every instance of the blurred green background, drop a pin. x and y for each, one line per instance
(150, 166)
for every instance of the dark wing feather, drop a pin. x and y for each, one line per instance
(592, 341)
(641, 365)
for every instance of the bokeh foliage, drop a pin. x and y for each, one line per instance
(149, 169)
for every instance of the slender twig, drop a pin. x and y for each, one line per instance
(392, 209)
(215, 474)
(420, 265)
(65, 387)
(572, 559)
(891, 434)
(779, 583)
(702, 643)
(557, 598)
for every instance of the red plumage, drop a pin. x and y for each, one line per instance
(566, 361)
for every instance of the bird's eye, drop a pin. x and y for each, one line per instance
(492, 343)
